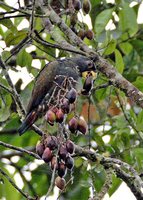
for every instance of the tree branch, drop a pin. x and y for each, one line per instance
(103, 65)
(66, 47)
(135, 183)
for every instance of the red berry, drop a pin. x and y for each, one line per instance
(60, 183)
(70, 146)
(52, 142)
(59, 116)
(77, 5)
(69, 162)
(65, 106)
(88, 84)
(81, 34)
(89, 34)
(82, 125)
(62, 170)
(40, 149)
(54, 163)
(73, 123)
(72, 95)
(50, 117)
(63, 152)
(73, 19)
(47, 155)
(86, 6)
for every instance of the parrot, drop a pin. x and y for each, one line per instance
(51, 76)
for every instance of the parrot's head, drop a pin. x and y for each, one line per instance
(86, 65)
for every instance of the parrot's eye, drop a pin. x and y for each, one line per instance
(91, 65)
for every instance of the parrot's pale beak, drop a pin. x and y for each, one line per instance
(92, 73)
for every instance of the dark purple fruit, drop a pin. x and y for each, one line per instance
(73, 19)
(77, 5)
(81, 34)
(82, 125)
(70, 146)
(54, 163)
(40, 149)
(69, 162)
(88, 84)
(73, 29)
(50, 117)
(65, 106)
(52, 142)
(71, 96)
(47, 155)
(60, 183)
(63, 152)
(89, 34)
(73, 123)
(86, 6)
(59, 116)
(62, 170)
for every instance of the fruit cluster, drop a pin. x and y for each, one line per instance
(57, 150)
(86, 7)
(72, 8)
(58, 156)
(57, 113)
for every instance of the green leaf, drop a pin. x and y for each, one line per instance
(8, 23)
(119, 63)
(126, 47)
(138, 45)
(139, 157)
(5, 55)
(102, 19)
(99, 177)
(128, 19)
(7, 190)
(15, 38)
(5, 103)
(24, 59)
(1, 32)
(138, 83)
(110, 48)
(140, 121)
(116, 182)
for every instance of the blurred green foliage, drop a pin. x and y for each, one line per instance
(122, 45)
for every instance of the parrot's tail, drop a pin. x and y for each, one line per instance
(29, 120)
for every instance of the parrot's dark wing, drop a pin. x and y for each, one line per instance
(43, 84)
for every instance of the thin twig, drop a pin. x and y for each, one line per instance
(18, 47)
(16, 187)
(100, 87)
(12, 16)
(6, 88)
(24, 178)
(15, 94)
(52, 179)
(126, 117)
(21, 110)
(8, 153)
(32, 18)
(15, 9)
(19, 149)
